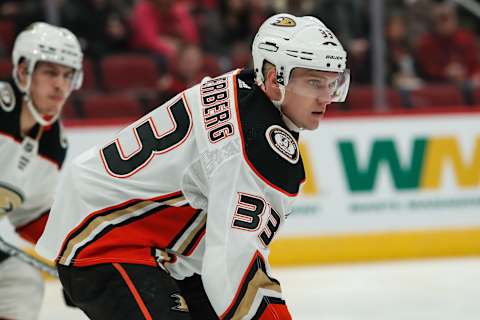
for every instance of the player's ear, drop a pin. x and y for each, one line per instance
(272, 86)
(22, 72)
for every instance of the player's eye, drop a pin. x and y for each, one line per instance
(51, 72)
(317, 84)
(332, 85)
(68, 75)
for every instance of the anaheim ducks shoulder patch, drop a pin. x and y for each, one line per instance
(7, 96)
(283, 143)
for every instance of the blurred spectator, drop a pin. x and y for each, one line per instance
(194, 4)
(260, 10)
(348, 19)
(400, 56)
(16, 15)
(298, 7)
(160, 26)
(10, 8)
(100, 25)
(238, 20)
(209, 25)
(448, 52)
(24, 12)
(235, 20)
(240, 55)
(186, 69)
(417, 14)
(210, 4)
(469, 19)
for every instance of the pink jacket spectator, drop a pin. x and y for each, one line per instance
(149, 25)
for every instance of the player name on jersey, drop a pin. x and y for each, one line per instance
(216, 109)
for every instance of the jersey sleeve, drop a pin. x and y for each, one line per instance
(33, 229)
(243, 217)
(30, 218)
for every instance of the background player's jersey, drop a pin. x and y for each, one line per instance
(201, 184)
(29, 167)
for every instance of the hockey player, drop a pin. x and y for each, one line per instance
(47, 64)
(194, 192)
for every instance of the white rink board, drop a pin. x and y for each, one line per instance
(332, 208)
(329, 209)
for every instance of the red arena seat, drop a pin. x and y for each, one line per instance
(7, 34)
(69, 110)
(128, 72)
(111, 106)
(476, 96)
(437, 95)
(361, 98)
(89, 78)
(5, 68)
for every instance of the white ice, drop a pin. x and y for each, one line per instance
(409, 290)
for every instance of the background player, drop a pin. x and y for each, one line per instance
(199, 186)
(47, 64)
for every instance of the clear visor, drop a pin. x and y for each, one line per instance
(322, 85)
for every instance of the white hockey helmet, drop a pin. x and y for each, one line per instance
(290, 42)
(44, 42)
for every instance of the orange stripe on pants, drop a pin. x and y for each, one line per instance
(133, 290)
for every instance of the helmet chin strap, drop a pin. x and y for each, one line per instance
(42, 120)
(278, 103)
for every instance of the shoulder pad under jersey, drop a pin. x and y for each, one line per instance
(270, 149)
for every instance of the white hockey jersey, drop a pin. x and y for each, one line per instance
(29, 167)
(199, 185)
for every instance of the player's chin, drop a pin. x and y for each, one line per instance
(313, 122)
(56, 106)
(51, 111)
(310, 125)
